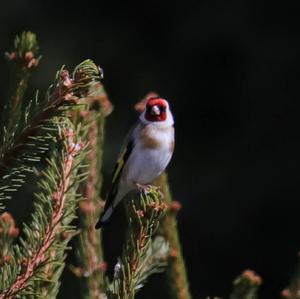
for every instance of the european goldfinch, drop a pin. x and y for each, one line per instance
(145, 155)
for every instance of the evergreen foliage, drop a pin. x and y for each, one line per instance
(142, 255)
(58, 139)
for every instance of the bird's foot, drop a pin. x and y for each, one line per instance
(143, 188)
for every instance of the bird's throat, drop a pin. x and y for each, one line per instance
(156, 118)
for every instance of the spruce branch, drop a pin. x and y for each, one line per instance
(176, 271)
(66, 92)
(37, 264)
(91, 265)
(134, 267)
(246, 286)
(293, 289)
(35, 132)
(24, 58)
(156, 259)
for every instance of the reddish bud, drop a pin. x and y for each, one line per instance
(56, 196)
(32, 63)
(102, 266)
(140, 106)
(140, 213)
(87, 206)
(13, 232)
(69, 133)
(252, 277)
(28, 56)
(175, 206)
(69, 97)
(6, 258)
(158, 207)
(65, 77)
(75, 148)
(85, 113)
(7, 218)
(133, 266)
(173, 253)
(286, 293)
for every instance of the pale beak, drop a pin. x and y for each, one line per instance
(155, 110)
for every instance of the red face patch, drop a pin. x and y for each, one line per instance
(156, 109)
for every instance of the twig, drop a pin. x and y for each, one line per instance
(176, 271)
(24, 58)
(144, 214)
(39, 255)
(67, 92)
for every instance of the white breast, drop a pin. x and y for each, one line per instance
(146, 162)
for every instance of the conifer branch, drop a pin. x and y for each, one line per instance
(36, 131)
(91, 265)
(43, 133)
(24, 58)
(144, 214)
(246, 286)
(176, 271)
(66, 92)
(42, 252)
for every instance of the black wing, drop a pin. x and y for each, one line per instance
(113, 190)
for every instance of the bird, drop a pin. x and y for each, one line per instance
(145, 154)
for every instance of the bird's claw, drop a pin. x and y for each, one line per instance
(143, 188)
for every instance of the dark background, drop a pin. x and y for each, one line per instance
(230, 70)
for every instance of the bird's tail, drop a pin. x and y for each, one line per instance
(113, 198)
(104, 217)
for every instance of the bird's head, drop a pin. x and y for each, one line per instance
(157, 111)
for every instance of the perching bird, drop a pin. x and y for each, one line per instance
(145, 155)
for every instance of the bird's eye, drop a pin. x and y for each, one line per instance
(162, 108)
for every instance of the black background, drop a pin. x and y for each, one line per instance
(230, 70)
